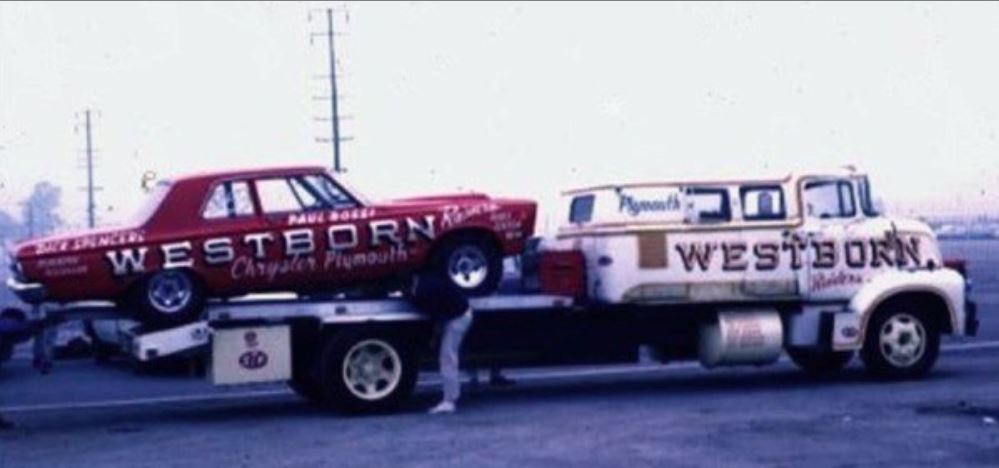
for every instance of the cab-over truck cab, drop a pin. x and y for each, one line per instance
(804, 262)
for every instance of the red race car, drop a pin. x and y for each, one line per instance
(288, 229)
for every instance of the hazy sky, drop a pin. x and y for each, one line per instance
(513, 99)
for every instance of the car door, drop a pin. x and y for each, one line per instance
(228, 215)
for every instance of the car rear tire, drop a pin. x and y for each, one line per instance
(366, 372)
(472, 263)
(901, 342)
(169, 298)
(820, 362)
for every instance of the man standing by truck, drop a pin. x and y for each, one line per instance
(440, 300)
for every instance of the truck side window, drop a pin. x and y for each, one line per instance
(581, 209)
(707, 205)
(228, 200)
(762, 202)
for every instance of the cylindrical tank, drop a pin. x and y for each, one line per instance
(752, 336)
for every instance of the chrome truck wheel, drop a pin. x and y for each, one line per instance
(901, 342)
(169, 298)
(372, 369)
(366, 371)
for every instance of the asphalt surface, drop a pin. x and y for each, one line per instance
(643, 415)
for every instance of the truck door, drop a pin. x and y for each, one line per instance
(830, 209)
(768, 273)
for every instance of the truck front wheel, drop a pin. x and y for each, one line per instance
(820, 362)
(367, 371)
(901, 342)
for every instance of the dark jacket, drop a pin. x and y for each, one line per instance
(437, 297)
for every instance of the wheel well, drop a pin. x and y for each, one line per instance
(481, 233)
(930, 303)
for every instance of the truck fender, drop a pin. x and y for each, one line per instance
(945, 284)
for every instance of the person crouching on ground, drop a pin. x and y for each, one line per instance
(443, 302)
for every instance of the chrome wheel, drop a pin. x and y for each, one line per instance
(372, 369)
(468, 267)
(170, 291)
(902, 340)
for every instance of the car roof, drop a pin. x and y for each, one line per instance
(248, 173)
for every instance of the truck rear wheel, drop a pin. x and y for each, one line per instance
(366, 371)
(820, 362)
(901, 342)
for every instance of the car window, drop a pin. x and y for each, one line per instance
(762, 202)
(829, 199)
(324, 188)
(229, 200)
(707, 205)
(277, 196)
(581, 209)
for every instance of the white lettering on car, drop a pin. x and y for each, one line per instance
(298, 242)
(256, 241)
(415, 230)
(335, 237)
(127, 261)
(384, 229)
(219, 251)
(177, 255)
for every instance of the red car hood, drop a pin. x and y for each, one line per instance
(442, 199)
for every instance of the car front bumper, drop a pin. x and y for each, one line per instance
(32, 293)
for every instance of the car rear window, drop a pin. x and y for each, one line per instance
(229, 199)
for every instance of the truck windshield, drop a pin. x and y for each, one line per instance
(866, 203)
(829, 199)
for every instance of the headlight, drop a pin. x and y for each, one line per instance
(16, 269)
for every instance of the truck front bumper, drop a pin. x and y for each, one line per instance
(32, 293)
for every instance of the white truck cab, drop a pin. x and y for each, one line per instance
(799, 247)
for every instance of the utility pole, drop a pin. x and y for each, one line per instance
(90, 172)
(334, 118)
(88, 163)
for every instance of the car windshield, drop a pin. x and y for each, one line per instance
(151, 203)
(829, 198)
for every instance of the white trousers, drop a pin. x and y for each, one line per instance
(453, 334)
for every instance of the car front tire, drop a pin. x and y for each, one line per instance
(472, 263)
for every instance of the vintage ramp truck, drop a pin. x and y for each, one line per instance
(803, 263)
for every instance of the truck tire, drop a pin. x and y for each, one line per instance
(307, 387)
(901, 342)
(472, 263)
(820, 362)
(305, 380)
(366, 371)
(169, 298)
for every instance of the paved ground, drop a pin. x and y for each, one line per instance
(650, 415)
